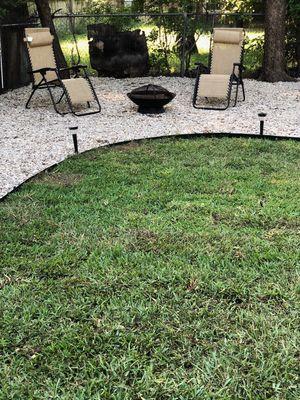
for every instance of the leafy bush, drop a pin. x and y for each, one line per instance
(98, 7)
(254, 49)
(293, 35)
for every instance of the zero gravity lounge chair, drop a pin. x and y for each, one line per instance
(224, 72)
(78, 90)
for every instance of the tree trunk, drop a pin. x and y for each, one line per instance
(189, 47)
(44, 12)
(274, 63)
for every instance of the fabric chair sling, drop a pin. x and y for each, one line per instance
(78, 90)
(225, 69)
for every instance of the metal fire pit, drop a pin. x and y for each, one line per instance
(151, 99)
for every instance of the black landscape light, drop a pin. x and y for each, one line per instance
(261, 117)
(74, 135)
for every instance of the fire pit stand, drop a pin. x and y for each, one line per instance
(151, 99)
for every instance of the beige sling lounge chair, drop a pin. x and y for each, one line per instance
(225, 70)
(78, 90)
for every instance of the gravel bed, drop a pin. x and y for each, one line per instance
(32, 140)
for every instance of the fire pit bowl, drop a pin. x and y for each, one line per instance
(151, 99)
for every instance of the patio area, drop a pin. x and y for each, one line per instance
(32, 140)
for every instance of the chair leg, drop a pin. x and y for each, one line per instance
(236, 95)
(52, 98)
(229, 95)
(61, 97)
(30, 97)
(196, 87)
(243, 90)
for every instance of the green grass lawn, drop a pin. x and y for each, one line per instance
(160, 270)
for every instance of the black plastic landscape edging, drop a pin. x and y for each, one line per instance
(247, 135)
(217, 135)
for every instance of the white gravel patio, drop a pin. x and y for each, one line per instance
(32, 140)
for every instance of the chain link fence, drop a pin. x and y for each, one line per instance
(175, 41)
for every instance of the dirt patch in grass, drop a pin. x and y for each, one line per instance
(59, 179)
(144, 240)
(126, 146)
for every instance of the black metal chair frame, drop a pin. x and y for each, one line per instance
(49, 85)
(236, 80)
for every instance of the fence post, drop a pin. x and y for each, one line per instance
(183, 49)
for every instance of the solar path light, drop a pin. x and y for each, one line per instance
(73, 130)
(261, 117)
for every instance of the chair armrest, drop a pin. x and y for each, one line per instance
(42, 71)
(73, 68)
(80, 66)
